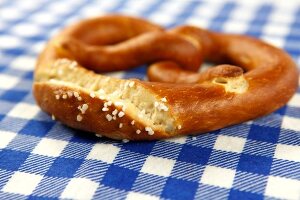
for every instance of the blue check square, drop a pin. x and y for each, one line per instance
(193, 154)
(64, 167)
(29, 75)
(13, 95)
(179, 189)
(281, 111)
(12, 160)
(37, 128)
(237, 195)
(139, 147)
(264, 133)
(255, 164)
(83, 137)
(50, 187)
(119, 177)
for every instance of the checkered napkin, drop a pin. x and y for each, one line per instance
(43, 159)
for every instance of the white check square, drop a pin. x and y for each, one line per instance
(283, 188)
(103, 152)
(137, 195)
(173, 8)
(230, 143)
(10, 13)
(50, 147)
(244, 14)
(287, 152)
(295, 101)
(158, 166)
(43, 18)
(178, 140)
(26, 30)
(24, 63)
(235, 27)
(218, 176)
(276, 41)
(6, 137)
(291, 123)
(274, 29)
(80, 188)
(24, 110)
(161, 18)
(198, 22)
(22, 183)
(279, 16)
(7, 81)
(207, 11)
(38, 47)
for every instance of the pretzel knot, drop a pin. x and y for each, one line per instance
(255, 80)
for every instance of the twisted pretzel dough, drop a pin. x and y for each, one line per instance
(257, 80)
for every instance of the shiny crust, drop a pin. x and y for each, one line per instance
(260, 78)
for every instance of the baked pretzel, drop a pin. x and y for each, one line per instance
(257, 79)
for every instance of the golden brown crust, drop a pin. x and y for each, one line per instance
(191, 103)
(93, 119)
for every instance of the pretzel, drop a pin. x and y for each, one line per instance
(255, 80)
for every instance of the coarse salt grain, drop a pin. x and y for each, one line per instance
(121, 114)
(83, 108)
(101, 91)
(160, 106)
(79, 98)
(76, 94)
(179, 127)
(108, 117)
(105, 109)
(72, 65)
(164, 99)
(120, 125)
(114, 112)
(57, 96)
(149, 130)
(92, 94)
(138, 131)
(132, 122)
(164, 107)
(53, 117)
(64, 96)
(70, 94)
(98, 135)
(131, 84)
(79, 118)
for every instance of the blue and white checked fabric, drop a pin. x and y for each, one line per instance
(43, 159)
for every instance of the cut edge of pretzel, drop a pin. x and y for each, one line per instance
(115, 97)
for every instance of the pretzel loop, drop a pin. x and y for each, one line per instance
(252, 79)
